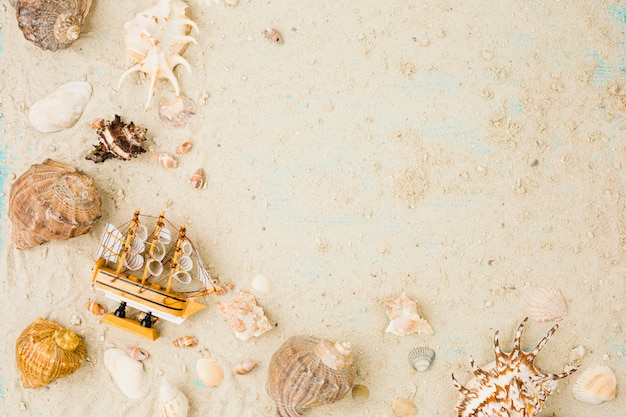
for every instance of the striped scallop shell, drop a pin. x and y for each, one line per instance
(421, 357)
(302, 375)
(596, 385)
(547, 304)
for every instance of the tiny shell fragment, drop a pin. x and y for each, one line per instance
(246, 318)
(175, 113)
(197, 179)
(273, 35)
(185, 341)
(165, 160)
(95, 308)
(244, 367)
(184, 147)
(261, 283)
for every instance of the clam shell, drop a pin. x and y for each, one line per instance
(246, 318)
(117, 140)
(172, 402)
(127, 373)
(60, 109)
(404, 318)
(210, 372)
(547, 304)
(95, 308)
(175, 113)
(421, 357)
(595, 385)
(165, 160)
(45, 351)
(185, 341)
(403, 407)
(244, 367)
(137, 354)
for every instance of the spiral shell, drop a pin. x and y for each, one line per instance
(165, 159)
(46, 351)
(172, 402)
(299, 378)
(95, 308)
(184, 147)
(273, 35)
(421, 357)
(117, 140)
(137, 354)
(51, 25)
(51, 201)
(185, 341)
(197, 179)
(244, 367)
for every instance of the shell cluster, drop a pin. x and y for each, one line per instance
(244, 315)
(117, 140)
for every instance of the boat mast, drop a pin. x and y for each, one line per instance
(155, 239)
(129, 237)
(177, 251)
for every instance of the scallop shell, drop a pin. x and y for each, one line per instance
(197, 179)
(155, 40)
(184, 147)
(127, 373)
(95, 308)
(404, 318)
(52, 201)
(273, 35)
(210, 372)
(244, 367)
(137, 354)
(403, 407)
(117, 140)
(172, 402)
(60, 109)
(185, 341)
(246, 318)
(51, 25)
(299, 379)
(595, 385)
(547, 304)
(165, 159)
(421, 357)
(175, 113)
(46, 351)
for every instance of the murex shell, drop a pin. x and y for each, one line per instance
(404, 318)
(306, 372)
(50, 201)
(117, 140)
(60, 109)
(596, 385)
(51, 25)
(172, 402)
(547, 304)
(128, 374)
(511, 383)
(45, 351)
(245, 317)
(155, 39)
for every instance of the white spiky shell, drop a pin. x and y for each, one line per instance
(547, 304)
(155, 39)
(596, 385)
(128, 374)
(172, 402)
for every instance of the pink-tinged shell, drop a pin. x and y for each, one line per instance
(246, 318)
(184, 147)
(95, 308)
(185, 341)
(273, 35)
(137, 354)
(595, 385)
(547, 304)
(510, 383)
(175, 113)
(244, 367)
(165, 159)
(197, 179)
(404, 318)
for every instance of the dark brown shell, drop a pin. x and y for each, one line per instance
(52, 201)
(51, 24)
(117, 140)
(46, 351)
(299, 380)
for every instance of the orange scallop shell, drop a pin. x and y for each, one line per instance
(185, 341)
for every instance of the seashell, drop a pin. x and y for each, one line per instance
(262, 284)
(360, 392)
(246, 318)
(51, 25)
(137, 354)
(175, 113)
(273, 35)
(421, 358)
(128, 374)
(117, 140)
(547, 304)
(52, 201)
(46, 351)
(404, 318)
(197, 179)
(172, 402)
(185, 341)
(165, 159)
(596, 385)
(209, 372)
(60, 109)
(95, 308)
(155, 40)
(403, 407)
(299, 379)
(244, 367)
(184, 148)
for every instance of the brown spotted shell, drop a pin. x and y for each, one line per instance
(301, 375)
(51, 24)
(50, 201)
(46, 351)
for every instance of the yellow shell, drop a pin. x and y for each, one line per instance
(46, 351)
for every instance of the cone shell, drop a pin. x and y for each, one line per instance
(596, 385)
(421, 357)
(298, 379)
(172, 402)
(246, 318)
(52, 201)
(127, 373)
(197, 179)
(165, 159)
(137, 354)
(184, 148)
(175, 113)
(61, 109)
(403, 407)
(244, 367)
(185, 341)
(210, 372)
(95, 308)
(404, 318)
(547, 304)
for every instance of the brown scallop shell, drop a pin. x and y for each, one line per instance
(300, 377)
(51, 25)
(50, 201)
(46, 351)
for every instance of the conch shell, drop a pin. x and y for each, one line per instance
(404, 318)
(306, 372)
(46, 351)
(172, 402)
(245, 317)
(51, 25)
(117, 140)
(50, 201)
(127, 373)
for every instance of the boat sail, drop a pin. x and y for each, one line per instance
(131, 269)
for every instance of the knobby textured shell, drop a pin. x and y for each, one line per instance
(246, 318)
(172, 402)
(46, 351)
(298, 379)
(51, 201)
(51, 25)
(60, 109)
(117, 140)
(510, 383)
(421, 357)
(547, 304)
(596, 385)
(403, 317)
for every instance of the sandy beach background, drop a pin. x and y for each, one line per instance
(464, 153)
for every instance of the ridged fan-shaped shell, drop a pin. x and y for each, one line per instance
(595, 385)
(298, 379)
(421, 357)
(51, 201)
(45, 351)
(547, 304)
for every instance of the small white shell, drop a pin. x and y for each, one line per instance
(127, 373)
(421, 357)
(596, 385)
(547, 304)
(172, 402)
(209, 372)
(262, 284)
(62, 108)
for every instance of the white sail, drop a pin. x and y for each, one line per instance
(206, 279)
(111, 244)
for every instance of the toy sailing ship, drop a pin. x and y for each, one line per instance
(130, 269)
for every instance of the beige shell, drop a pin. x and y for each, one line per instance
(95, 308)
(51, 25)
(46, 351)
(403, 407)
(197, 180)
(298, 379)
(360, 392)
(172, 402)
(421, 357)
(246, 318)
(595, 385)
(165, 160)
(175, 113)
(210, 372)
(52, 201)
(60, 109)
(404, 318)
(547, 304)
(244, 367)
(137, 354)
(273, 35)
(184, 147)
(185, 341)
(128, 374)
